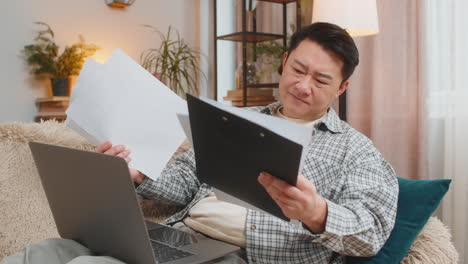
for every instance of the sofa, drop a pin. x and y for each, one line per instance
(26, 218)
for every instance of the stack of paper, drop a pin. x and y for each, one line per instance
(122, 102)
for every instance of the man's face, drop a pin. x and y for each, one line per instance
(310, 82)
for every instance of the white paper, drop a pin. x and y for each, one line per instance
(78, 129)
(122, 102)
(184, 121)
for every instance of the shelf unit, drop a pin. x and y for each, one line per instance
(244, 37)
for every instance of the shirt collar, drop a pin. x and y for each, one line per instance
(331, 120)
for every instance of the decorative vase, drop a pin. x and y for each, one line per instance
(60, 86)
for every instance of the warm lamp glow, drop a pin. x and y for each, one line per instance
(101, 56)
(357, 17)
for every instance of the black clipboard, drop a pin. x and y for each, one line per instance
(230, 153)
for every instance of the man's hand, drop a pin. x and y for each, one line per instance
(300, 202)
(123, 152)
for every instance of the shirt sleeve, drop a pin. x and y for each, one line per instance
(177, 183)
(361, 215)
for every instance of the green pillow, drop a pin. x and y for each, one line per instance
(417, 200)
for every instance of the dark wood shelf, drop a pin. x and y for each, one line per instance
(263, 85)
(250, 94)
(250, 36)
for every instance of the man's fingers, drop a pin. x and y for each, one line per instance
(289, 202)
(133, 173)
(278, 183)
(273, 192)
(265, 179)
(278, 186)
(115, 150)
(292, 194)
(137, 176)
(278, 192)
(305, 185)
(104, 147)
(124, 154)
(290, 211)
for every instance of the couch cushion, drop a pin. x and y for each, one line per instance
(433, 245)
(417, 200)
(26, 217)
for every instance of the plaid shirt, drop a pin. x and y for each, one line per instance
(359, 186)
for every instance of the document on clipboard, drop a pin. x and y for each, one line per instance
(232, 146)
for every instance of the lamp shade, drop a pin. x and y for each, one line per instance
(357, 17)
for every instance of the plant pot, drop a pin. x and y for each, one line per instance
(60, 86)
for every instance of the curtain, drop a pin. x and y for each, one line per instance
(445, 49)
(410, 97)
(385, 97)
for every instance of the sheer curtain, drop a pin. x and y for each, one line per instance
(445, 72)
(410, 96)
(385, 97)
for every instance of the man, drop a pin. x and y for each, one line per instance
(346, 195)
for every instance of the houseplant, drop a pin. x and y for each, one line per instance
(174, 62)
(44, 58)
(269, 58)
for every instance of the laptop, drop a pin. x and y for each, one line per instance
(93, 202)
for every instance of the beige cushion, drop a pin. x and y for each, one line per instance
(432, 246)
(218, 219)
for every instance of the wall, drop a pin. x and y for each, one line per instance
(107, 27)
(226, 24)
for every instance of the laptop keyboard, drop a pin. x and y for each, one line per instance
(165, 253)
(171, 236)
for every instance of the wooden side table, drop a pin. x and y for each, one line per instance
(52, 108)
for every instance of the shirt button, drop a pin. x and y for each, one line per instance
(253, 227)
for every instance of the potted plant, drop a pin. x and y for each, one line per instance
(174, 63)
(44, 57)
(269, 58)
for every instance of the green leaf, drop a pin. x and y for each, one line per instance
(175, 61)
(43, 56)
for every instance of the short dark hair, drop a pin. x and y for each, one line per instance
(332, 38)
